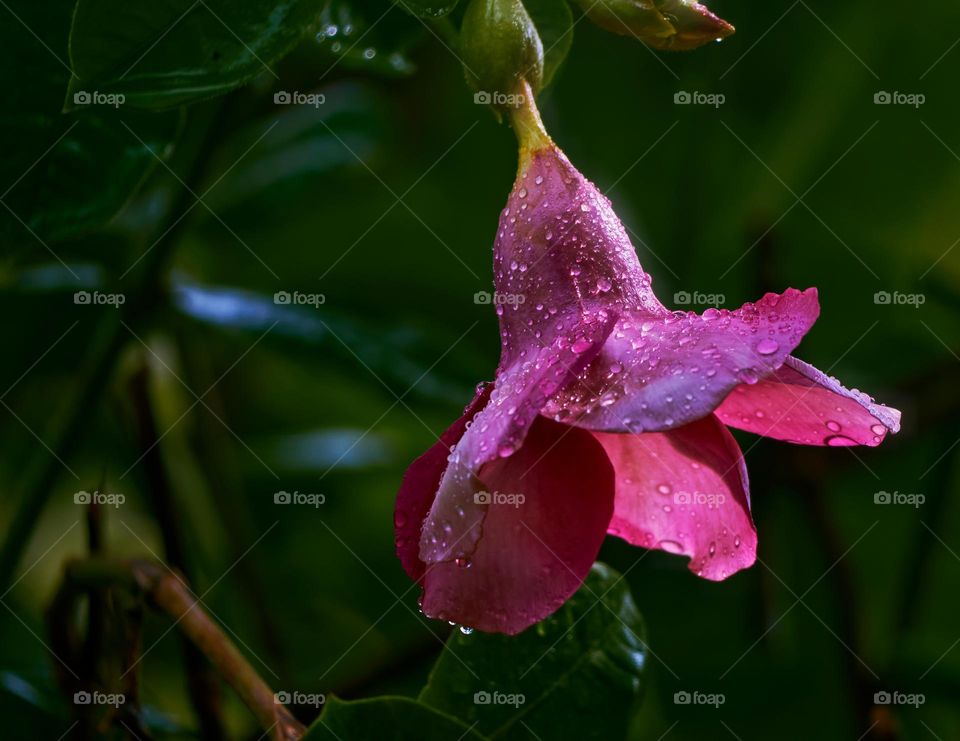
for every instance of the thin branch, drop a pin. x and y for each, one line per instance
(168, 593)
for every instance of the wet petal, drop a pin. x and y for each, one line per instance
(801, 404)
(684, 491)
(548, 511)
(560, 248)
(454, 523)
(420, 484)
(661, 373)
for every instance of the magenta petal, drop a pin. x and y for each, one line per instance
(684, 491)
(800, 404)
(420, 484)
(657, 373)
(560, 248)
(550, 505)
(454, 523)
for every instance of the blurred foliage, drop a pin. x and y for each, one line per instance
(384, 198)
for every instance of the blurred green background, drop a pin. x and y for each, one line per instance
(385, 200)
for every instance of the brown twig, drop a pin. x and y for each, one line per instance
(167, 592)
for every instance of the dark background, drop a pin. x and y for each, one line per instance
(798, 179)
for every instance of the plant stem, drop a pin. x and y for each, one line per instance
(167, 592)
(204, 688)
(527, 124)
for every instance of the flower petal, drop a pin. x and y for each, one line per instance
(801, 404)
(535, 550)
(661, 373)
(684, 491)
(454, 523)
(560, 248)
(420, 484)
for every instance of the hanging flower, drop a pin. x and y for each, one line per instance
(608, 414)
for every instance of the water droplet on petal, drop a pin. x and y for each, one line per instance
(840, 441)
(767, 347)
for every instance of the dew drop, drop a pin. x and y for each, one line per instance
(840, 441)
(767, 347)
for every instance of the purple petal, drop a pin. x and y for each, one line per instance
(454, 523)
(684, 491)
(420, 484)
(561, 249)
(800, 404)
(661, 373)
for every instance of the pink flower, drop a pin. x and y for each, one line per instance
(609, 414)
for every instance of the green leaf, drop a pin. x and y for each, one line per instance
(63, 174)
(385, 719)
(163, 54)
(554, 23)
(578, 672)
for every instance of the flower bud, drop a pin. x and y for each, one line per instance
(675, 25)
(500, 48)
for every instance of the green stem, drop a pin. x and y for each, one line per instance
(527, 124)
